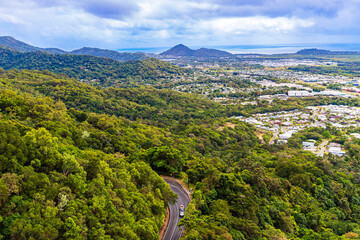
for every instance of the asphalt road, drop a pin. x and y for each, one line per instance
(322, 148)
(173, 232)
(275, 134)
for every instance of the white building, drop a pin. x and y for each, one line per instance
(281, 142)
(286, 135)
(355, 135)
(322, 118)
(311, 149)
(299, 94)
(336, 151)
(308, 144)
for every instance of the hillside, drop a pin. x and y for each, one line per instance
(206, 52)
(96, 52)
(315, 51)
(54, 184)
(62, 164)
(24, 47)
(179, 50)
(18, 45)
(183, 51)
(94, 70)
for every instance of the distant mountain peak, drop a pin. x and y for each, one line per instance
(7, 37)
(98, 52)
(313, 51)
(181, 50)
(17, 45)
(181, 45)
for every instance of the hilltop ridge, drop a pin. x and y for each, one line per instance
(181, 50)
(15, 44)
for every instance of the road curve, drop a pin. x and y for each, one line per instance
(275, 134)
(173, 232)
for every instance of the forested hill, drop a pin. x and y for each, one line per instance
(94, 70)
(155, 107)
(24, 47)
(75, 163)
(96, 52)
(184, 51)
(147, 104)
(70, 174)
(54, 184)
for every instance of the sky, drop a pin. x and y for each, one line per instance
(120, 24)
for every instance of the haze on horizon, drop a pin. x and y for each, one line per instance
(115, 24)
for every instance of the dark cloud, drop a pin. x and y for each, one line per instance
(273, 8)
(111, 9)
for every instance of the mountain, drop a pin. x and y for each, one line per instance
(184, 51)
(97, 52)
(179, 50)
(315, 51)
(18, 45)
(90, 69)
(54, 50)
(24, 47)
(55, 187)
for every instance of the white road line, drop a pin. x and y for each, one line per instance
(175, 226)
(184, 190)
(176, 217)
(180, 190)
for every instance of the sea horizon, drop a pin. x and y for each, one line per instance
(258, 49)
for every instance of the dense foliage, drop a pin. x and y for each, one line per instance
(54, 187)
(96, 52)
(156, 107)
(94, 70)
(78, 162)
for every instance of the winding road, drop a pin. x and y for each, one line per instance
(275, 134)
(173, 232)
(322, 148)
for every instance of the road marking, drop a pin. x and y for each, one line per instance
(180, 190)
(175, 225)
(176, 218)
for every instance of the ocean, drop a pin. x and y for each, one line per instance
(261, 49)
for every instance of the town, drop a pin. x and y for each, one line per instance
(283, 125)
(254, 80)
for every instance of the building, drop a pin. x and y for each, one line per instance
(322, 118)
(334, 145)
(311, 149)
(308, 144)
(299, 94)
(286, 135)
(336, 151)
(355, 135)
(281, 142)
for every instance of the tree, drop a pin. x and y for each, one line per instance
(72, 231)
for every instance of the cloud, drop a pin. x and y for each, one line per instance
(110, 23)
(254, 24)
(8, 18)
(110, 9)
